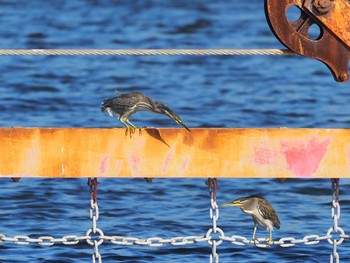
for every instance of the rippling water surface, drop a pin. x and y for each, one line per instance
(208, 91)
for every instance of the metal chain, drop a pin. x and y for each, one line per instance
(158, 241)
(212, 184)
(94, 215)
(155, 241)
(283, 242)
(44, 240)
(334, 257)
(95, 236)
(143, 52)
(96, 254)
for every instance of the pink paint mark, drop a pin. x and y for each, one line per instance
(264, 156)
(104, 164)
(303, 159)
(185, 164)
(135, 163)
(167, 160)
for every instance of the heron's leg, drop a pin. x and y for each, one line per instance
(128, 128)
(254, 232)
(132, 125)
(269, 240)
(271, 234)
(122, 120)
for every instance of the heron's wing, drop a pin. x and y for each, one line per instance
(126, 100)
(119, 105)
(268, 212)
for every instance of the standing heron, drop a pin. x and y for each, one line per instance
(262, 212)
(124, 105)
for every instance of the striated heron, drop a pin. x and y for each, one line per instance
(124, 105)
(262, 212)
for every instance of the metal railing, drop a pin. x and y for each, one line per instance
(215, 236)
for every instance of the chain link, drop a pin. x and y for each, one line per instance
(334, 257)
(335, 214)
(345, 236)
(209, 237)
(214, 255)
(236, 240)
(90, 240)
(96, 254)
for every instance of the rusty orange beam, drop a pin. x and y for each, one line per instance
(207, 152)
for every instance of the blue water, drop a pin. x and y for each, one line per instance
(208, 91)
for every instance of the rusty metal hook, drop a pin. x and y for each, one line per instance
(212, 184)
(335, 189)
(93, 183)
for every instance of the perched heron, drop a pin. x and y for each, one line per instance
(262, 212)
(124, 105)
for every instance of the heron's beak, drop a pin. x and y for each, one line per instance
(233, 203)
(183, 125)
(179, 121)
(227, 204)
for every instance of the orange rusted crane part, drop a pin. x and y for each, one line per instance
(204, 152)
(334, 14)
(332, 17)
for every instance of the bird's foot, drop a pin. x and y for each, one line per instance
(129, 131)
(255, 241)
(269, 241)
(140, 129)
